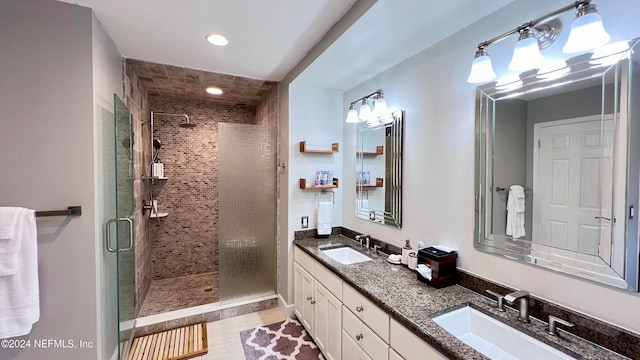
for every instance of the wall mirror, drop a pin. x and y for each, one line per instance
(379, 170)
(558, 166)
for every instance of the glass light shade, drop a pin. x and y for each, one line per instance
(587, 33)
(481, 70)
(553, 70)
(526, 55)
(380, 108)
(610, 53)
(365, 111)
(352, 116)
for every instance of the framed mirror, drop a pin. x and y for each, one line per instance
(558, 166)
(379, 170)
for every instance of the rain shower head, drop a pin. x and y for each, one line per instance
(187, 125)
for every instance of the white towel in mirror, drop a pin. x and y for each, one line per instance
(515, 212)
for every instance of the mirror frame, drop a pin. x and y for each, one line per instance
(521, 250)
(393, 124)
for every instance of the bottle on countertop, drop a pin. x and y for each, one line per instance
(405, 252)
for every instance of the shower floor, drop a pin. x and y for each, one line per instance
(179, 293)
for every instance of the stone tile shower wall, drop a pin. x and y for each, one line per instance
(186, 241)
(268, 113)
(137, 101)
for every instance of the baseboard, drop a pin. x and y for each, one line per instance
(286, 309)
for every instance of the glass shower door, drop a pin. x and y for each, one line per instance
(123, 244)
(247, 211)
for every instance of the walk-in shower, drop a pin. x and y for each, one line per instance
(215, 242)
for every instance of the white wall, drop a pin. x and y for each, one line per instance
(107, 80)
(438, 182)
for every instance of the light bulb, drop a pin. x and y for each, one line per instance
(365, 111)
(587, 32)
(526, 54)
(352, 116)
(481, 68)
(380, 107)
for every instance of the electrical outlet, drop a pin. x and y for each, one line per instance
(304, 222)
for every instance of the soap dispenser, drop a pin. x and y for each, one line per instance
(405, 252)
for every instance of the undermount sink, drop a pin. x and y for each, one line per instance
(346, 255)
(494, 338)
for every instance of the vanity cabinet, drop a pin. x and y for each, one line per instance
(409, 346)
(364, 337)
(346, 325)
(317, 305)
(351, 349)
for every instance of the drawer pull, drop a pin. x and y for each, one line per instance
(309, 298)
(359, 337)
(313, 302)
(359, 309)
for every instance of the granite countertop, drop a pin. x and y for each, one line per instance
(397, 291)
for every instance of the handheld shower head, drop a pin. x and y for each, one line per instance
(156, 144)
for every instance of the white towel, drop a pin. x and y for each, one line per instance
(10, 229)
(515, 212)
(19, 293)
(325, 215)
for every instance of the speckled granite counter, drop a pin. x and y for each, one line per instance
(396, 290)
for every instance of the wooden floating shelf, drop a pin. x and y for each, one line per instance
(379, 151)
(379, 183)
(305, 186)
(303, 148)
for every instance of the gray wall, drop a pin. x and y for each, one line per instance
(47, 141)
(510, 158)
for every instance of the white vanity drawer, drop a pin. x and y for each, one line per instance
(303, 259)
(376, 348)
(366, 311)
(410, 346)
(329, 280)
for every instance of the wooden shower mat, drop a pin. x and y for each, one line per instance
(180, 343)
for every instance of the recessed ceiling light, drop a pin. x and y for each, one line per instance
(217, 39)
(214, 90)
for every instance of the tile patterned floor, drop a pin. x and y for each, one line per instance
(179, 293)
(224, 335)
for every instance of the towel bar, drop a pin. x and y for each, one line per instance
(71, 211)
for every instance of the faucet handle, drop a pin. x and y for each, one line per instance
(376, 248)
(499, 298)
(553, 324)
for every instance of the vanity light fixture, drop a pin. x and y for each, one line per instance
(214, 90)
(217, 39)
(366, 114)
(587, 33)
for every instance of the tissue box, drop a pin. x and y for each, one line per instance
(442, 264)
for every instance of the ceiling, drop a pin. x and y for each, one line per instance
(390, 32)
(266, 38)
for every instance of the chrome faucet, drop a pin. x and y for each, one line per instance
(553, 324)
(523, 296)
(363, 237)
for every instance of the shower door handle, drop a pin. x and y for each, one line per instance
(108, 234)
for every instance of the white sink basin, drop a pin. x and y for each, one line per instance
(346, 255)
(494, 338)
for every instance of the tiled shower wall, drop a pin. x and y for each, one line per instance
(137, 101)
(186, 241)
(268, 113)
